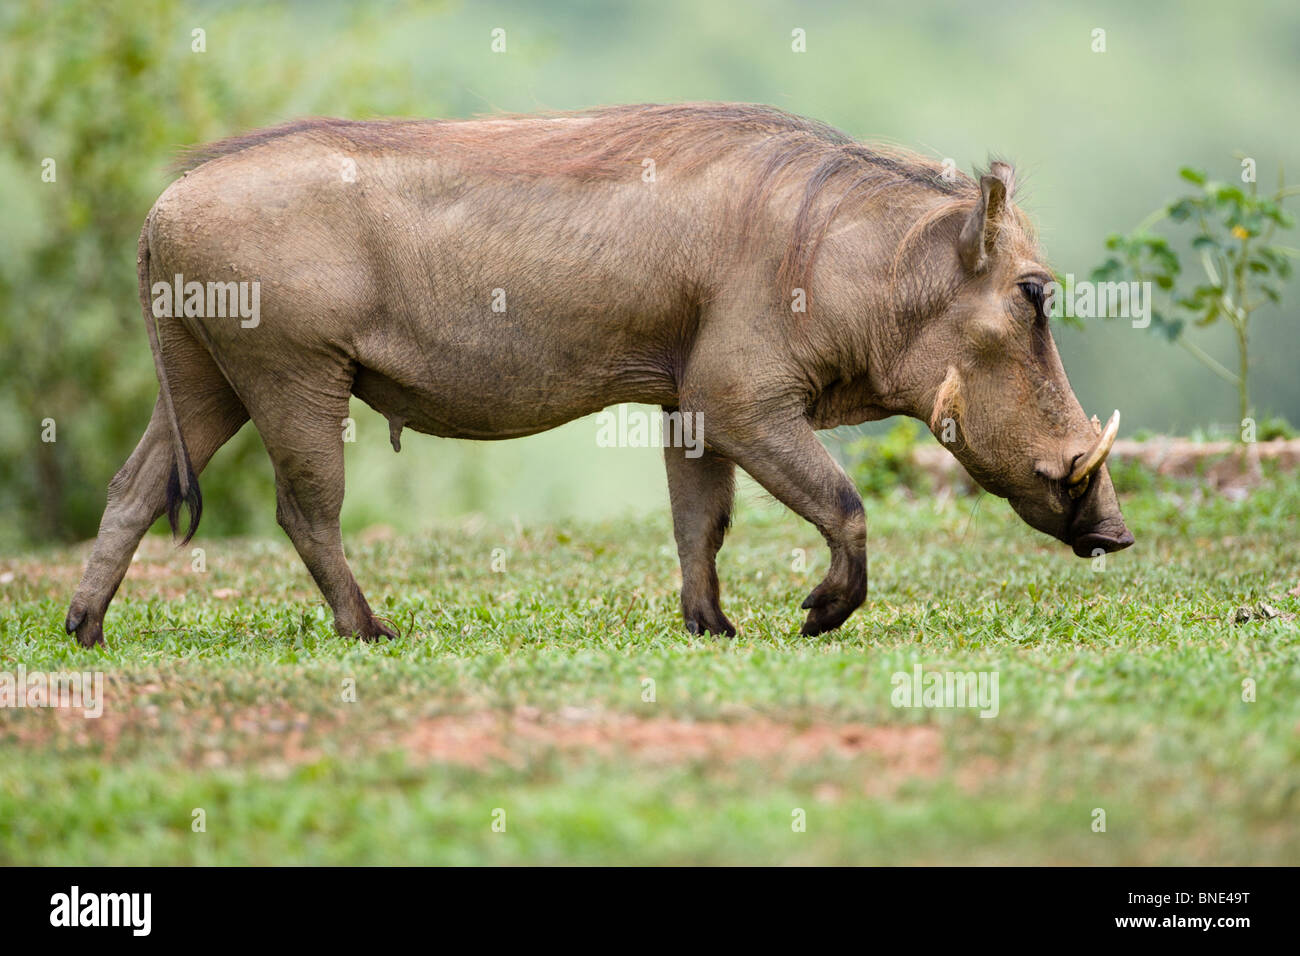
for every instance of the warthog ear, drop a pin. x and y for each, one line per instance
(980, 233)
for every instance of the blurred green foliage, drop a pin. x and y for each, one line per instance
(879, 464)
(97, 99)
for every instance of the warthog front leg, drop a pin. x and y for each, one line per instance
(701, 491)
(786, 458)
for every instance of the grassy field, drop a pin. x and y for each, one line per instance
(521, 694)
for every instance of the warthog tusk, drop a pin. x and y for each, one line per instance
(1089, 463)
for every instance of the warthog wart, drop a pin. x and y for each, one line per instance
(384, 247)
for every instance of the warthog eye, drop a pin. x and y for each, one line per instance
(1035, 294)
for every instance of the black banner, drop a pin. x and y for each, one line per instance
(1220, 906)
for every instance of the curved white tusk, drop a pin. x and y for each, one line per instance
(1090, 462)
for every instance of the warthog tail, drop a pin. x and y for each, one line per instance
(182, 483)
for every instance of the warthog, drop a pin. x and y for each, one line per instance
(498, 277)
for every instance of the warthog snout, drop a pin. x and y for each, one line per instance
(1089, 533)
(1073, 498)
(1097, 524)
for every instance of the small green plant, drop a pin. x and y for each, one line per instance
(1274, 428)
(1242, 267)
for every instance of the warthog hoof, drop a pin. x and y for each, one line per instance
(709, 621)
(827, 609)
(377, 628)
(88, 628)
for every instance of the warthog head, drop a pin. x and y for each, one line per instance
(1001, 401)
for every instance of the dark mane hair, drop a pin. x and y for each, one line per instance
(770, 148)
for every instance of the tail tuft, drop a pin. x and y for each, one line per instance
(192, 499)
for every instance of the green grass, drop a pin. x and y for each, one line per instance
(1120, 689)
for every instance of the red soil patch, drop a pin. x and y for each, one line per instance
(481, 738)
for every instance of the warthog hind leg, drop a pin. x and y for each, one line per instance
(701, 491)
(303, 428)
(209, 414)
